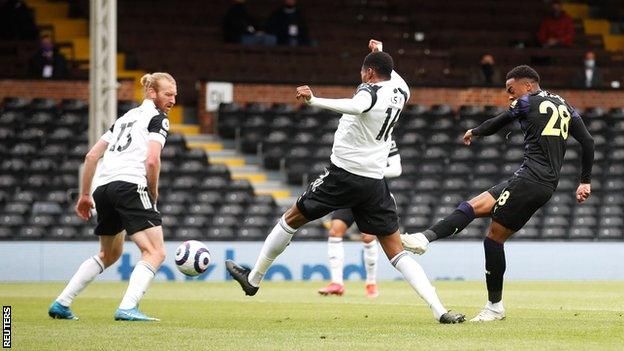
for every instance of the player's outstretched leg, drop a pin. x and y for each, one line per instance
(335, 255)
(150, 242)
(273, 246)
(416, 277)
(454, 223)
(450, 225)
(371, 257)
(494, 271)
(111, 248)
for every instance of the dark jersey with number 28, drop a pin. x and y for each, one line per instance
(546, 121)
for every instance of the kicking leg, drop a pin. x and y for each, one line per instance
(111, 247)
(416, 277)
(273, 246)
(335, 253)
(150, 242)
(454, 223)
(494, 271)
(371, 256)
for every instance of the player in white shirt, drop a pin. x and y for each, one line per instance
(125, 198)
(355, 179)
(341, 221)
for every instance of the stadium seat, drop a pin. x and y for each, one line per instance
(220, 233)
(6, 233)
(310, 232)
(527, 233)
(188, 233)
(554, 233)
(11, 103)
(62, 233)
(49, 208)
(610, 233)
(17, 208)
(582, 233)
(31, 232)
(251, 233)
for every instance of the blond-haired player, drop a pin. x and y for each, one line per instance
(125, 199)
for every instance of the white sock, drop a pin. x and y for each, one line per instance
(335, 252)
(371, 254)
(497, 307)
(88, 270)
(140, 279)
(416, 277)
(273, 246)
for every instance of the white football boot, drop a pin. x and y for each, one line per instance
(416, 243)
(490, 313)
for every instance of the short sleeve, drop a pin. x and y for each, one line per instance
(394, 150)
(158, 129)
(108, 136)
(519, 107)
(370, 89)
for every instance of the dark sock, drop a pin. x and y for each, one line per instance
(494, 269)
(452, 224)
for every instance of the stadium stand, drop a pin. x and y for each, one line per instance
(434, 43)
(43, 146)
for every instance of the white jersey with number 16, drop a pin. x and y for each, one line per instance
(362, 141)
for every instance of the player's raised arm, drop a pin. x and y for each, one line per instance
(358, 104)
(581, 134)
(377, 46)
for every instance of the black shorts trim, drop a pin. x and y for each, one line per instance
(124, 206)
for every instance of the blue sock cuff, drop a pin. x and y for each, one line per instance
(467, 209)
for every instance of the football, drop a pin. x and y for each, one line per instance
(192, 258)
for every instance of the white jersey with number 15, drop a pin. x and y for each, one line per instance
(128, 140)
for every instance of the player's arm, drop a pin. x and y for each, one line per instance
(489, 127)
(518, 107)
(152, 166)
(85, 202)
(158, 129)
(361, 102)
(581, 134)
(376, 46)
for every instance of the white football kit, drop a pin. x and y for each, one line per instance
(128, 140)
(363, 139)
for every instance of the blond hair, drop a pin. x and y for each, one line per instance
(151, 80)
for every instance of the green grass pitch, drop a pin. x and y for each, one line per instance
(291, 316)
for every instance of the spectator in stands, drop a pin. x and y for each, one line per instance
(590, 76)
(487, 74)
(47, 62)
(17, 21)
(556, 30)
(288, 24)
(240, 27)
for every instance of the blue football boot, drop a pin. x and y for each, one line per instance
(58, 311)
(133, 314)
